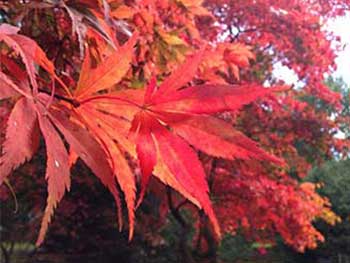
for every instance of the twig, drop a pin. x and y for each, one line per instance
(174, 211)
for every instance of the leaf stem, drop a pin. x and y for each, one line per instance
(71, 101)
(101, 97)
(64, 86)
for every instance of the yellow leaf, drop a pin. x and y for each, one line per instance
(107, 73)
(170, 39)
(123, 12)
(191, 3)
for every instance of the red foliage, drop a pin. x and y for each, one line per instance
(153, 75)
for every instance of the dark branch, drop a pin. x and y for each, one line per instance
(175, 212)
(214, 164)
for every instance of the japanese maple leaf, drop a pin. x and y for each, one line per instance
(31, 117)
(171, 118)
(157, 126)
(163, 122)
(22, 138)
(29, 51)
(92, 145)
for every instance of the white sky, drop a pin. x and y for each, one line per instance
(340, 27)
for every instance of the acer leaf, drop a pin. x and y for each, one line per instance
(184, 164)
(123, 12)
(87, 17)
(8, 88)
(145, 148)
(107, 73)
(16, 72)
(161, 107)
(16, 85)
(180, 77)
(171, 39)
(178, 158)
(118, 125)
(83, 144)
(162, 172)
(125, 103)
(117, 128)
(150, 90)
(120, 165)
(88, 149)
(22, 137)
(29, 51)
(216, 137)
(57, 170)
(205, 99)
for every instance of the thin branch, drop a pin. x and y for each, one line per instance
(214, 164)
(184, 202)
(174, 211)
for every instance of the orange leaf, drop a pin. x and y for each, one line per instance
(121, 168)
(57, 170)
(183, 162)
(218, 138)
(29, 51)
(87, 148)
(123, 12)
(180, 77)
(22, 137)
(210, 98)
(108, 73)
(145, 148)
